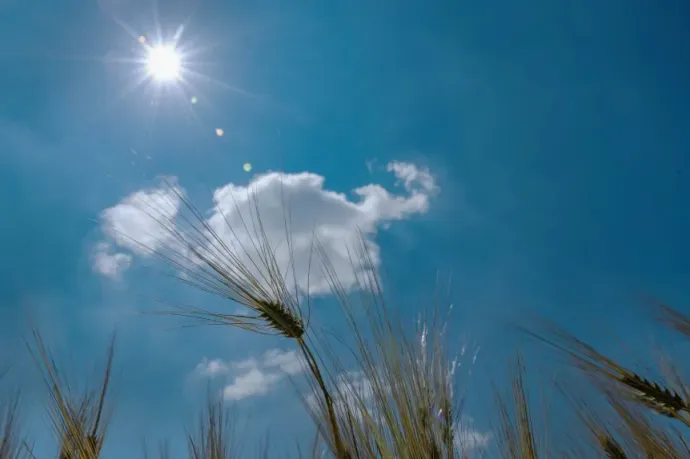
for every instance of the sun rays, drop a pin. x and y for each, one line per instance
(164, 63)
(167, 71)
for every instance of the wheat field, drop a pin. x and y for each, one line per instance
(408, 411)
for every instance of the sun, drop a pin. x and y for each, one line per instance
(164, 63)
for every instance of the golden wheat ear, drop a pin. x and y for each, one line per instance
(12, 445)
(79, 419)
(215, 436)
(397, 400)
(516, 435)
(647, 438)
(251, 278)
(605, 372)
(599, 434)
(219, 262)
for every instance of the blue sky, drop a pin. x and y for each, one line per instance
(555, 133)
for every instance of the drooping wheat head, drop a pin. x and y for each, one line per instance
(244, 272)
(606, 371)
(218, 261)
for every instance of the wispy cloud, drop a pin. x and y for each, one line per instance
(254, 376)
(412, 177)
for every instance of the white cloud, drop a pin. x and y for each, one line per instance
(288, 362)
(412, 177)
(252, 377)
(210, 368)
(107, 263)
(311, 210)
(135, 222)
(302, 200)
(252, 383)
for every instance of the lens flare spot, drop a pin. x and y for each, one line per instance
(219, 132)
(247, 167)
(142, 39)
(194, 100)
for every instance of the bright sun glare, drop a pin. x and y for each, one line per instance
(164, 63)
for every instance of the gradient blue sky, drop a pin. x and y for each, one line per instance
(556, 132)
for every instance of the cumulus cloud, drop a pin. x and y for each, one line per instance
(108, 263)
(311, 211)
(252, 383)
(252, 377)
(135, 222)
(294, 209)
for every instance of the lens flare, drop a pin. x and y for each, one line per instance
(164, 63)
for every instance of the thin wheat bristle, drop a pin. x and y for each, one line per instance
(11, 443)
(662, 399)
(215, 436)
(281, 319)
(673, 319)
(78, 419)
